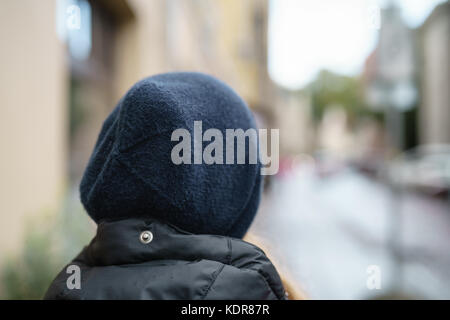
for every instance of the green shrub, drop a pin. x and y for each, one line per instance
(51, 241)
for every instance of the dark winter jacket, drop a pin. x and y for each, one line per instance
(147, 259)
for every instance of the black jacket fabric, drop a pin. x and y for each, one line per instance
(174, 265)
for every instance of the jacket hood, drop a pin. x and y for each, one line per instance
(174, 264)
(131, 173)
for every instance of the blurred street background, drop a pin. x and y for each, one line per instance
(359, 89)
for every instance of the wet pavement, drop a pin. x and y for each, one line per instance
(327, 231)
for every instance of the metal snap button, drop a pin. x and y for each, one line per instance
(146, 237)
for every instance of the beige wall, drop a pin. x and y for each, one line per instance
(32, 116)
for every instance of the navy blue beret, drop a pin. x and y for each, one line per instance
(131, 173)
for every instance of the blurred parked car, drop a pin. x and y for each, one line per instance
(425, 168)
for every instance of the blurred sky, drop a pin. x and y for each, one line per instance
(307, 36)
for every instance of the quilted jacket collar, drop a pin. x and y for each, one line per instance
(119, 242)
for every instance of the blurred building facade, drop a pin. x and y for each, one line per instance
(409, 69)
(434, 112)
(291, 113)
(390, 77)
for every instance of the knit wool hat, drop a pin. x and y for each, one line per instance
(131, 175)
